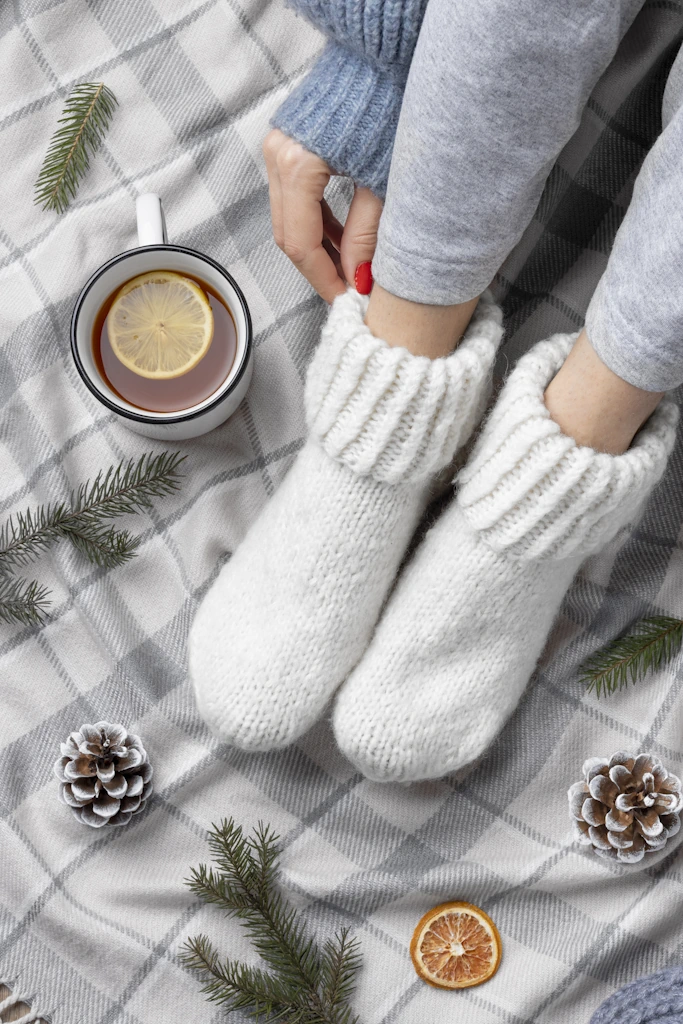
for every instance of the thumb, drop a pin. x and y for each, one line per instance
(359, 239)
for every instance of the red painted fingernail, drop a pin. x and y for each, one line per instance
(363, 278)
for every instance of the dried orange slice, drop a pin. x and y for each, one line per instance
(456, 945)
(160, 325)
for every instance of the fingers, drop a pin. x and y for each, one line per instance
(302, 193)
(334, 256)
(304, 227)
(359, 240)
(271, 146)
(331, 226)
(296, 184)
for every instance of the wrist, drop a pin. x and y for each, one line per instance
(425, 330)
(593, 405)
(346, 111)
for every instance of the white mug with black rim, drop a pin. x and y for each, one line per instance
(154, 253)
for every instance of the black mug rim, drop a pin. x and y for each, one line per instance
(181, 417)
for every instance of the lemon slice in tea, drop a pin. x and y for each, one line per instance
(456, 945)
(160, 325)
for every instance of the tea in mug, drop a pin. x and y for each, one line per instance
(164, 341)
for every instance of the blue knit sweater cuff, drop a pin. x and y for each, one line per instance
(346, 111)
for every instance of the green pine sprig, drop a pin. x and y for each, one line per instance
(84, 122)
(650, 643)
(82, 520)
(306, 984)
(22, 601)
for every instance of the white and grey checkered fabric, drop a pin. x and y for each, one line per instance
(90, 922)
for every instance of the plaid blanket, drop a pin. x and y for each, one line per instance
(91, 922)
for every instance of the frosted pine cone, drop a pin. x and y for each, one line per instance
(104, 773)
(626, 807)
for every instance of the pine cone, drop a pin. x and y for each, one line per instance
(626, 807)
(104, 773)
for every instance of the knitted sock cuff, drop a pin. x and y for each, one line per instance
(387, 413)
(531, 490)
(346, 111)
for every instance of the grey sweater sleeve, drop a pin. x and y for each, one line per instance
(495, 90)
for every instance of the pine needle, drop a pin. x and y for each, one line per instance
(21, 601)
(339, 963)
(650, 643)
(123, 489)
(84, 122)
(241, 987)
(126, 488)
(306, 985)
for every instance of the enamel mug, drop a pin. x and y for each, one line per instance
(154, 253)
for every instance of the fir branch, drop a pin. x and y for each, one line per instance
(273, 926)
(22, 601)
(239, 987)
(84, 122)
(127, 488)
(339, 964)
(130, 486)
(246, 892)
(307, 985)
(105, 547)
(650, 643)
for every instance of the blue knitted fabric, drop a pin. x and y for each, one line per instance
(346, 109)
(655, 999)
(384, 32)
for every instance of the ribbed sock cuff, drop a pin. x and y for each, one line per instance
(531, 490)
(390, 414)
(346, 111)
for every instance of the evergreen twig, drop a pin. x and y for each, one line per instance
(84, 122)
(306, 985)
(22, 601)
(242, 987)
(340, 962)
(126, 488)
(650, 643)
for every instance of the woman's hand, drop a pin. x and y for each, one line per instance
(327, 253)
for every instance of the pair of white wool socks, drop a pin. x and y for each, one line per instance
(469, 617)
(292, 616)
(293, 610)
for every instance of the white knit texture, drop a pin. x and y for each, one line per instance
(466, 624)
(292, 612)
(385, 412)
(531, 490)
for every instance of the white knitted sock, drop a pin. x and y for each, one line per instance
(292, 612)
(468, 619)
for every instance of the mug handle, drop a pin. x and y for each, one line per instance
(150, 217)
